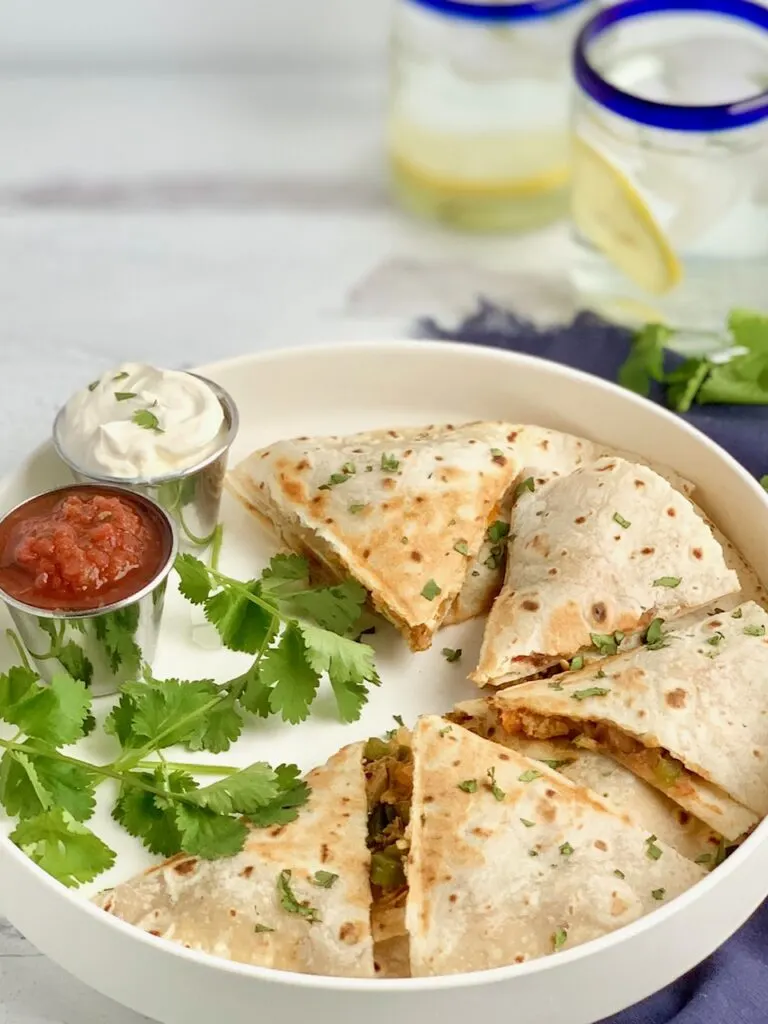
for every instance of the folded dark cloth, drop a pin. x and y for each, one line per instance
(596, 346)
(731, 987)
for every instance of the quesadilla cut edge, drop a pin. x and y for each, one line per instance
(649, 807)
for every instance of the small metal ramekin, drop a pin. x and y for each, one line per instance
(103, 647)
(192, 496)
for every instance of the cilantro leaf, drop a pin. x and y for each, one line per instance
(645, 362)
(743, 380)
(349, 666)
(254, 695)
(148, 817)
(55, 713)
(335, 608)
(286, 574)
(117, 631)
(497, 531)
(749, 329)
(164, 712)
(292, 680)
(194, 580)
(217, 729)
(241, 793)
(289, 901)
(207, 834)
(431, 590)
(146, 418)
(292, 794)
(685, 384)
(16, 686)
(324, 879)
(22, 793)
(241, 624)
(63, 847)
(668, 581)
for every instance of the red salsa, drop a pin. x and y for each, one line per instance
(80, 548)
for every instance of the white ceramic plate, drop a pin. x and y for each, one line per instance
(335, 390)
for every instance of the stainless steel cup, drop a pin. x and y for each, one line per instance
(192, 496)
(107, 646)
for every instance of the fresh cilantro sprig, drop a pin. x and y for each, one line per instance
(297, 634)
(52, 793)
(737, 376)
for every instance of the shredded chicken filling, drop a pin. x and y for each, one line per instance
(388, 766)
(653, 763)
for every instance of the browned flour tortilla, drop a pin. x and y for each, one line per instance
(543, 454)
(405, 512)
(511, 861)
(233, 908)
(648, 807)
(688, 716)
(607, 548)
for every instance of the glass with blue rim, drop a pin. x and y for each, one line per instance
(479, 110)
(669, 194)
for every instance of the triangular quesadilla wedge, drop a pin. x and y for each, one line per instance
(510, 861)
(648, 807)
(402, 511)
(543, 454)
(297, 898)
(601, 551)
(688, 713)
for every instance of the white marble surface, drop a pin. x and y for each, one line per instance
(184, 218)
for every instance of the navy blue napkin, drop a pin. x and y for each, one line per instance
(731, 987)
(596, 346)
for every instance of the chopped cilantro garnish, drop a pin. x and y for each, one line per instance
(604, 642)
(468, 786)
(577, 663)
(556, 765)
(354, 509)
(525, 485)
(123, 396)
(348, 469)
(754, 630)
(527, 823)
(704, 858)
(93, 385)
(590, 691)
(559, 939)
(600, 674)
(258, 928)
(451, 655)
(654, 638)
(389, 463)
(497, 453)
(445, 731)
(533, 853)
(399, 720)
(324, 879)
(430, 590)
(715, 639)
(624, 523)
(651, 849)
(289, 902)
(529, 775)
(494, 787)
(566, 849)
(121, 376)
(497, 531)
(668, 581)
(619, 874)
(146, 418)
(658, 894)
(462, 547)
(737, 613)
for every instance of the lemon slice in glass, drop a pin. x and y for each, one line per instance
(610, 212)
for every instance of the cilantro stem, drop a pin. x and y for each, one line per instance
(241, 588)
(201, 542)
(108, 771)
(218, 538)
(15, 640)
(185, 766)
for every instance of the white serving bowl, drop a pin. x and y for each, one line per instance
(350, 387)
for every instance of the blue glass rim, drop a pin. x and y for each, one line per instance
(525, 11)
(675, 117)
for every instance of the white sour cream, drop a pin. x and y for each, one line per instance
(138, 421)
